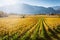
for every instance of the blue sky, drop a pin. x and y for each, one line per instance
(45, 3)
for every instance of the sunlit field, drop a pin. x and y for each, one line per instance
(30, 27)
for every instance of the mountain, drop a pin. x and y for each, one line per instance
(27, 9)
(57, 8)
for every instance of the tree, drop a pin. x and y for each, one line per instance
(2, 14)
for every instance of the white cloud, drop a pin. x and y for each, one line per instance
(7, 2)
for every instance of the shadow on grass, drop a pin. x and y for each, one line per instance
(53, 34)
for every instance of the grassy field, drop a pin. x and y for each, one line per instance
(31, 27)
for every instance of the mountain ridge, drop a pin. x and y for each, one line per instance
(28, 9)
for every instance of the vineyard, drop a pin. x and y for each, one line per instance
(30, 28)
